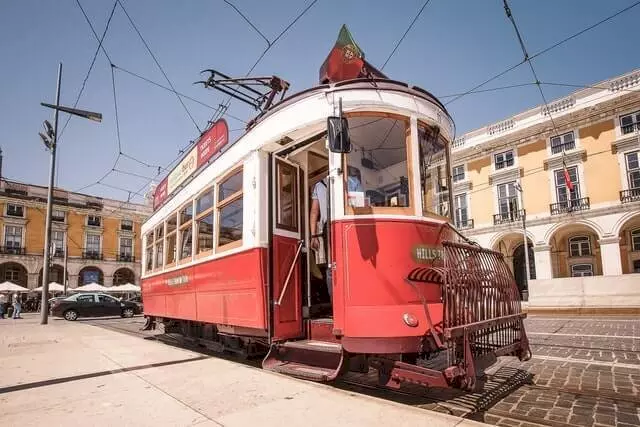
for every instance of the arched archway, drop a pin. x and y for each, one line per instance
(511, 245)
(90, 274)
(123, 275)
(630, 244)
(14, 272)
(575, 250)
(56, 274)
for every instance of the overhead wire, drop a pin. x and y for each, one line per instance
(146, 45)
(546, 50)
(405, 34)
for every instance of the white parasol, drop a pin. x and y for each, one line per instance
(91, 287)
(12, 287)
(127, 287)
(53, 287)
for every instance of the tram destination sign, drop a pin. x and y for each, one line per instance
(210, 143)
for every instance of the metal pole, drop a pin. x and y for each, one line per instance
(64, 275)
(44, 319)
(524, 234)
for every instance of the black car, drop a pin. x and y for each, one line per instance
(93, 305)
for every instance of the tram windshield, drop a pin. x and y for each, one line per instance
(379, 165)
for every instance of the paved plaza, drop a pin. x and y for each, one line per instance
(584, 372)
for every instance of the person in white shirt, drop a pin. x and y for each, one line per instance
(318, 228)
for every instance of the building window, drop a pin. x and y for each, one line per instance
(458, 173)
(633, 171)
(172, 238)
(230, 210)
(581, 270)
(504, 159)
(635, 240)
(93, 246)
(443, 203)
(507, 201)
(630, 122)
(460, 206)
(563, 194)
(57, 215)
(159, 246)
(15, 210)
(287, 185)
(12, 237)
(636, 266)
(126, 225)
(204, 222)
(12, 274)
(57, 238)
(186, 232)
(94, 220)
(126, 249)
(562, 143)
(579, 246)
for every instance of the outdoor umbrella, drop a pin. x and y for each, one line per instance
(127, 287)
(91, 287)
(53, 287)
(12, 287)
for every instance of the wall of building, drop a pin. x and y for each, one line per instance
(481, 195)
(530, 157)
(596, 140)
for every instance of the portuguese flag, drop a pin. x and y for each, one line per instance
(345, 62)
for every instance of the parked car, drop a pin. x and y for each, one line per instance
(93, 305)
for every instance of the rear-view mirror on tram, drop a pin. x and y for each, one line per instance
(338, 134)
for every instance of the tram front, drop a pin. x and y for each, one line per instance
(406, 285)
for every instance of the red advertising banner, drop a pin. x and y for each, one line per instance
(209, 144)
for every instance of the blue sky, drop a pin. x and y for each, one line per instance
(454, 45)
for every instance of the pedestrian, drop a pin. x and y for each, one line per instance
(16, 307)
(3, 302)
(318, 229)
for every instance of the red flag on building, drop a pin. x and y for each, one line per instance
(567, 178)
(346, 60)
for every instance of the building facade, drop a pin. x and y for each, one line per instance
(100, 237)
(571, 170)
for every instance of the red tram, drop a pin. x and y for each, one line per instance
(230, 259)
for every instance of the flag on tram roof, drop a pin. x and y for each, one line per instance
(346, 61)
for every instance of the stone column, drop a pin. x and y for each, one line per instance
(610, 254)
(544, 268)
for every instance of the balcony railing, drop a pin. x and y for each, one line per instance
(90, 254)
(464, 225)
(126, 258)
(631, 195)
(12, 250)
(570, 206)
(630, 128)
(508, 217)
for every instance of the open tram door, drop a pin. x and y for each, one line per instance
(287, 247)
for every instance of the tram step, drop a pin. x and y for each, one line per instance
(308, 359)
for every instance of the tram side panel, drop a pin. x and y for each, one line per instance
(371, 297)
(229, 290)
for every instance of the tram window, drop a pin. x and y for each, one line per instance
(287, 200)
(377, 167)
(204, 223)
(159, 246)
(149, 252)
(171, 223)
(229, 208)
(185, 241)
(433, 170)
(186, 214)
(171, 248)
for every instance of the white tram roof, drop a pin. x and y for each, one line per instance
(304, 115)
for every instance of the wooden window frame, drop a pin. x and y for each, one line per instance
(198, 216)
(179, 228)
(158, 239)
(294, 194)
(168, 234)
(220, 204)
(148, 245)
(437, 189)
(383, 210)
(574, 240)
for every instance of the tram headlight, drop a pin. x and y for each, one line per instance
(410, 320)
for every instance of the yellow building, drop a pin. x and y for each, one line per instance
(101, 237)
(516, 168)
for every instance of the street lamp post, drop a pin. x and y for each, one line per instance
(524, 235)
(50, 140)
